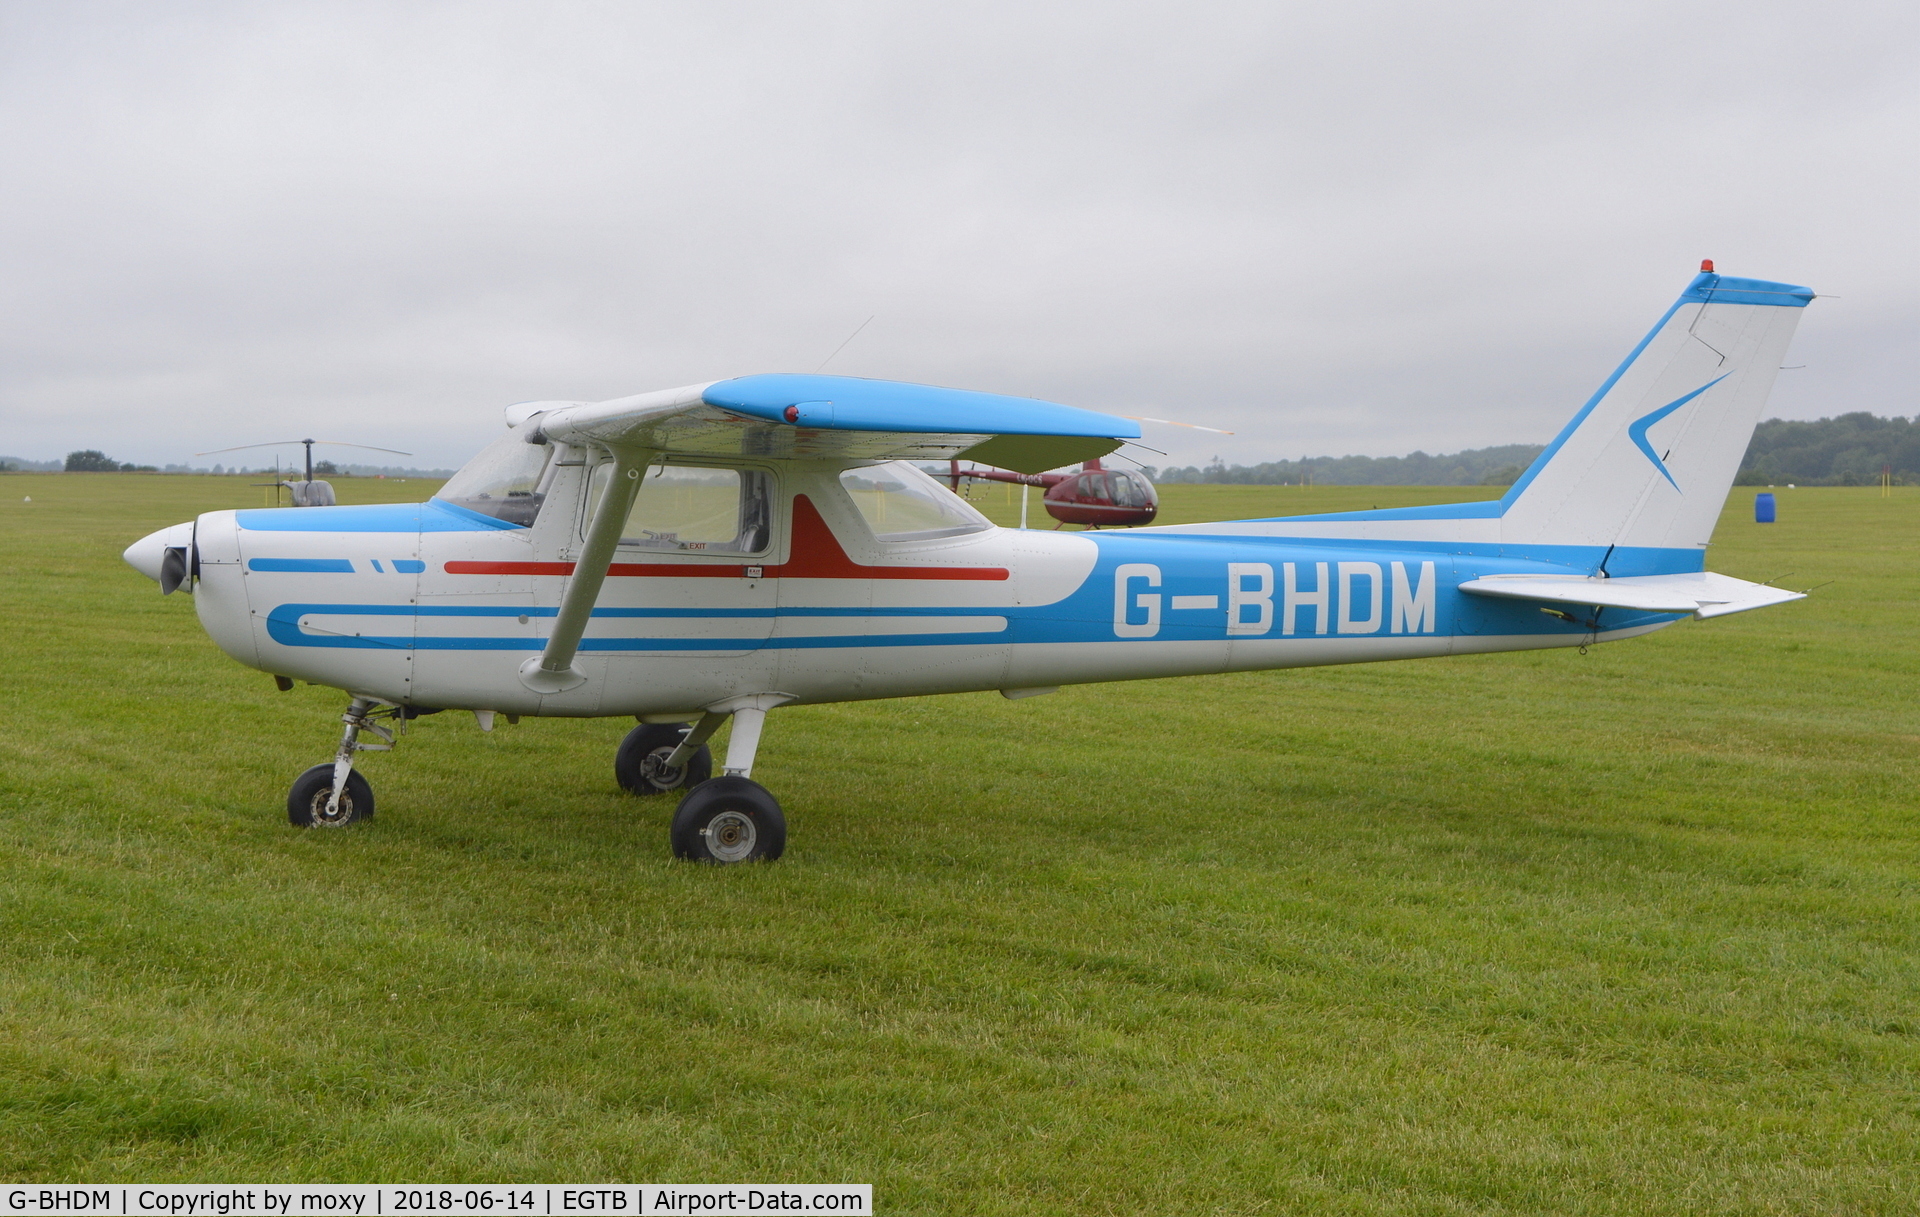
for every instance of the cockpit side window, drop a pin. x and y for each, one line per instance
(503, 481)
(697, 509)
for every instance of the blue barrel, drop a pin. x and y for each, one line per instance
(1763, 509)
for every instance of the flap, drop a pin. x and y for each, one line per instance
(1038, 453)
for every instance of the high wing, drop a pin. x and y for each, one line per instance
(1702, 593)
(797, 417)
(792, 417)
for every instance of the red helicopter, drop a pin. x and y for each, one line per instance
(1091, 495)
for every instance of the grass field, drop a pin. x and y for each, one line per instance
(1629, 932)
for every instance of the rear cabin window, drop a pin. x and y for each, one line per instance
(696, 509)
(503, 481)
(900, 503)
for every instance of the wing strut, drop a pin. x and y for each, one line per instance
(552, 671)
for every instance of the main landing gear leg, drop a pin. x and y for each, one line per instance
(731, 818)
(330, 796)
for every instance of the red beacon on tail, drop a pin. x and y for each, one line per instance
(1091, 495)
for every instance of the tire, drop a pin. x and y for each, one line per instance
(307, 801)
(729, 820)
(651, 742)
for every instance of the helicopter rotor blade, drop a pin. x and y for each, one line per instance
(285, 442)
(340, 443)
(243, 447)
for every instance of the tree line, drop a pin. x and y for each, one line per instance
(1851, 450)
(92, 460)
(1848, 450)
(1497, 466)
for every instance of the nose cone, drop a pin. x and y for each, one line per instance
(148, 553)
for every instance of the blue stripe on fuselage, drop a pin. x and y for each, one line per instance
(1384, 589)
(311, 566)
(283, 626)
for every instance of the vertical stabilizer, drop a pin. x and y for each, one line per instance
(1649, 460)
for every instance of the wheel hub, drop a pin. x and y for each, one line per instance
(654, 767)
(730, 836)
(342, 811)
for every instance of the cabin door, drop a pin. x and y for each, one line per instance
(689, 578)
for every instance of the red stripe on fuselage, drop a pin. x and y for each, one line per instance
(817, 554)
(671, 569)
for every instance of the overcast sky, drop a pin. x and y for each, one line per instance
(1332, 228)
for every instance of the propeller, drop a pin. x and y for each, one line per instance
(180, 564)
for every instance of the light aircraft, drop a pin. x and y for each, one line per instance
(720, 550)
(1092, 495)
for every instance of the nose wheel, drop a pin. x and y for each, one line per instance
(333, 795)
(310, 804)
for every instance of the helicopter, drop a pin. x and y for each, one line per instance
(1093, 495)
(708, 554)
(309, 493)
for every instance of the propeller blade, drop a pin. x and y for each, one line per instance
(173, 569)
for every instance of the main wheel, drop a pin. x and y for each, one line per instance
(641, 764)
(307, 801)
(727, 820)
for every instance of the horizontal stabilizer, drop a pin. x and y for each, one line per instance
(1701, 593)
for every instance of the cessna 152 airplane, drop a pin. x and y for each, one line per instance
(716, 551)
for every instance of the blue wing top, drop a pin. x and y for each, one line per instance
(799, 416)
(853, 404)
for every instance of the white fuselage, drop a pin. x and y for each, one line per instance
(430, 605)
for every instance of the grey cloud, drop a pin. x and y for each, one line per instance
(1331, 229)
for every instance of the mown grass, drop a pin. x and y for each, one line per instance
(1629, 932)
